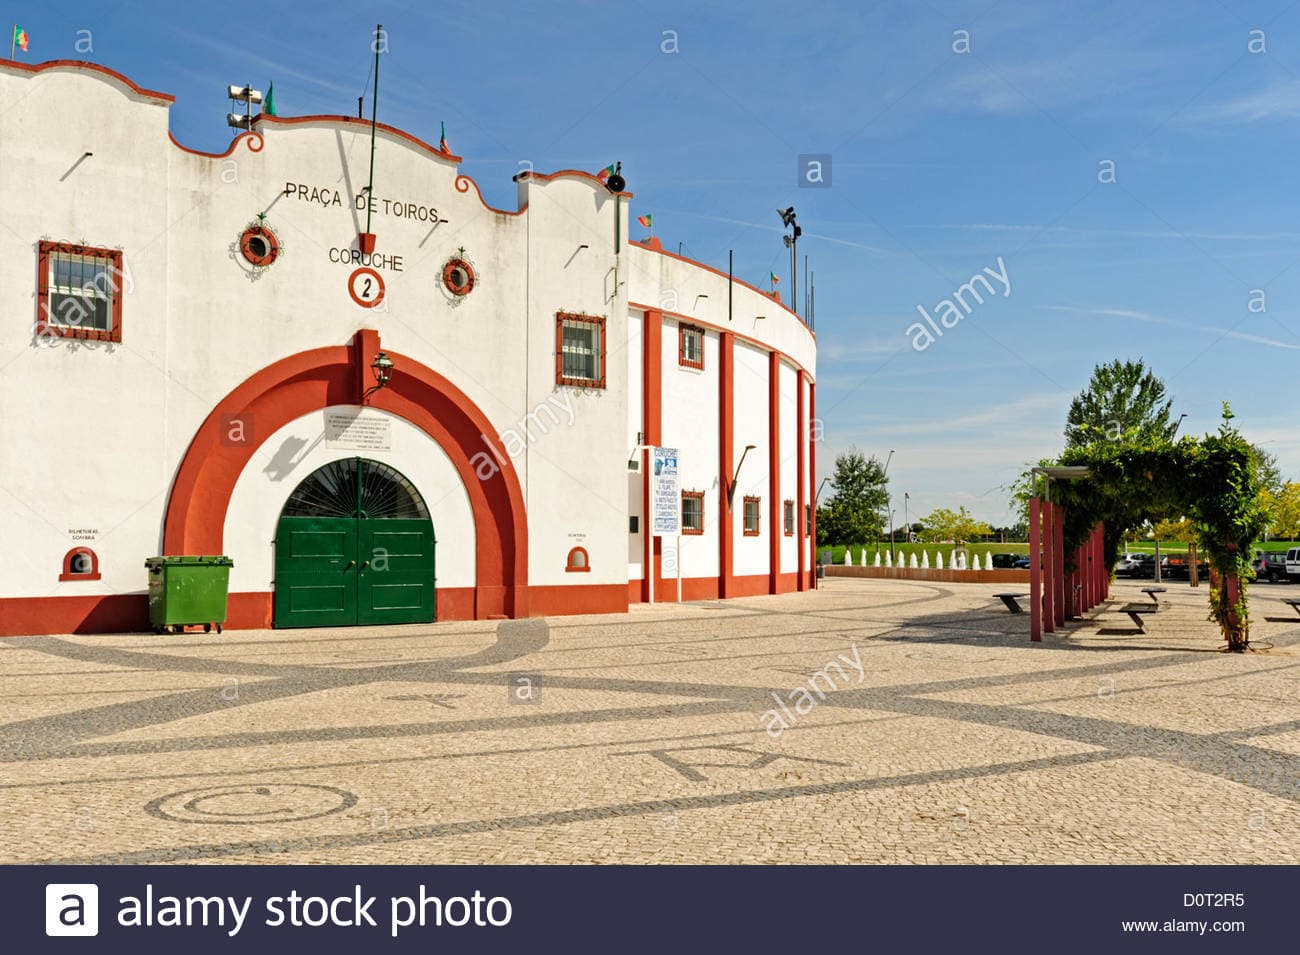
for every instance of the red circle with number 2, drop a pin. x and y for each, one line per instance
(366, 286)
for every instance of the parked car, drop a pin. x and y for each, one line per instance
(1178, 567)
(1006, 561)
(1144, 565)
(1293, 564)
(1127, 564)
(1021, 563)
(1270, 566)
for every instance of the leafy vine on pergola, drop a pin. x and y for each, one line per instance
(1210, 480)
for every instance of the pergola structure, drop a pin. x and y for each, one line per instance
(1056, 596)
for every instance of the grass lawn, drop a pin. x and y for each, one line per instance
(1166, 547)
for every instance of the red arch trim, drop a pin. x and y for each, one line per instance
(313, 380)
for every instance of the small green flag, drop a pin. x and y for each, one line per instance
(269, 106)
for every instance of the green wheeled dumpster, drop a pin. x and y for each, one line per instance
(188, 591)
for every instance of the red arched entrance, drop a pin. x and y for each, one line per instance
(314, 380)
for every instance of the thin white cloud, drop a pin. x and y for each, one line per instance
(1136, 316)
(1132, 233)
(1279, 99)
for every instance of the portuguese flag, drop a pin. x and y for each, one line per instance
(268, 107)
(605, 173)
(645, 220)
(20, 39)
(775, 278)
(442, 137)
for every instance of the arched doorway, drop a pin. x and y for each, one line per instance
(354, 545)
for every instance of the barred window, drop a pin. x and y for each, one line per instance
(692, 512)
(580, 350)
(753, 512)
(789, 518)
(80, 292)
(690, 346)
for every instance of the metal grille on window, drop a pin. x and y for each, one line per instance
(81, 291)
(349, 488)
(581, 350)
(693, 346)
(692, 518)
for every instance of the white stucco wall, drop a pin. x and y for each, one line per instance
(752, 554)
(690, 424)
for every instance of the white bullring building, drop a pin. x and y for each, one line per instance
(198, 357)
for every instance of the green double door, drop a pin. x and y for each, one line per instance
(354, 545)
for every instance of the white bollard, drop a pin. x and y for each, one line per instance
(913, 564)
(877, 558)
(952, 560)
(863, 561)
(938, 560)
(925, 560)
(848, 558)
(976, 562)
(889, 561)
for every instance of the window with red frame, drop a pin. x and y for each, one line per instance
(577, 562)
(690, 346)
(79, 292)
(692, 512)
(579, 350)
(753, 513)
(789, 518)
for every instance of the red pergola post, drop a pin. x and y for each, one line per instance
(1058, 537)
(1035, 572)
(1049, 567)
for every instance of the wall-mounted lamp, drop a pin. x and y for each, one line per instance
(383, 366)
(731, 487)
(583, 246)
(759, 318)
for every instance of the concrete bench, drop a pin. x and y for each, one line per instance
(1135, 612)
(1011, 601)
(1152, 591)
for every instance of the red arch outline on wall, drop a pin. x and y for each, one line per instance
(340, 375)
(67, 565)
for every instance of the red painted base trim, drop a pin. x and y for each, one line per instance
(561, 600)
(93, 613)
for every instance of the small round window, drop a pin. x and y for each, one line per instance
(81, 563)
(458, 276)
(259, 245)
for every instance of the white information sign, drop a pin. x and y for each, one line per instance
(665, 492)
(351, 431)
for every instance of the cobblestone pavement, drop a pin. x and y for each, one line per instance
(872, 721)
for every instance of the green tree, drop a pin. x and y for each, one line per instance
(1284, 506)
(1124, 402)
(946, 525)
(1181, 530)
(853, 514)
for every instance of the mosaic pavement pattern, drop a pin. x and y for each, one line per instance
(871, 721)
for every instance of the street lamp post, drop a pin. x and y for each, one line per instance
(884, 475)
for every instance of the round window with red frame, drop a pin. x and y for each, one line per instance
(458, 276)
(259, 246)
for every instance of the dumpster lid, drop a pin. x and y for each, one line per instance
(214, 560)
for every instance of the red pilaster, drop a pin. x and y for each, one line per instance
(812, 474)
(801, 480)
(726, 464)
(775, 518)
(652, 353)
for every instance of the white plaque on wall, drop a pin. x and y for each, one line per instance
(358, 431)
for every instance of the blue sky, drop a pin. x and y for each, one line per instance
(942, 162)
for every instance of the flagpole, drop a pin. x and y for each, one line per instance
(13, 40)
(374, 113)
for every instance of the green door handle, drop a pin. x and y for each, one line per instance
(365, 565)
(351, 564)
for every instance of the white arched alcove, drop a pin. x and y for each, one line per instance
(298, 449)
